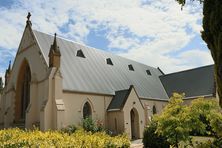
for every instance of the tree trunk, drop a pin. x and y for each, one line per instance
(212, 35)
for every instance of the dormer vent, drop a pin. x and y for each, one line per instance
(131, 67)
(109, 61)
(79, 53)
(148, 72)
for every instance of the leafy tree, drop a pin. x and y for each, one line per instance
(212, 35)
(173, 122)
(151, 139)
(210, 111)
(215, 119)
(177, 120)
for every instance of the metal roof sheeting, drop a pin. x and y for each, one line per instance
(119, 99)
(193, 82)
(92, 74)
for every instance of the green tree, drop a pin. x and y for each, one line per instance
(151, 139)
(173, 122)
(215, 119)
(202, 113)
(212, 35)
(178, 121)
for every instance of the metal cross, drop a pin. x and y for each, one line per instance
(28, 16)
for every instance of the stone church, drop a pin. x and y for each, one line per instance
(55, 82)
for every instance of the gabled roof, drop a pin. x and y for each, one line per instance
(119, 99)
(193, 82)
(93, 75)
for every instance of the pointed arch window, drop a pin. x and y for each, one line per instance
(154, 109)
(87, 110)
(80, 53)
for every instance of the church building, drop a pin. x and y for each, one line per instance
(54, 82)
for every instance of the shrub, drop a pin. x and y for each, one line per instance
(91, 125)
(69, 129)
(88, 124)
(79, 139)
(216, 143)
(151, 139)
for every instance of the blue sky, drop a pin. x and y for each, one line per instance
(153, 32)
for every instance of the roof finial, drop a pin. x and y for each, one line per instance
(54, 46)
(55, 42)
(28, 16)
(28, 22)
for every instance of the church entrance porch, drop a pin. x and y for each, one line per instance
(134, 118)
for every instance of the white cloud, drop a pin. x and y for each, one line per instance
(154, 28)
(195, 57)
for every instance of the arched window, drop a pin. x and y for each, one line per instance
(22, 91)
(87, 111)
(154, 109)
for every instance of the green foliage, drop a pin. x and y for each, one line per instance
(178, 121)
(183, 2)
(215, 119)
(151, 139)
(13, 138)
(91, 125)
(216, 143)
(205, 116)
(173, 123)
(69, 129)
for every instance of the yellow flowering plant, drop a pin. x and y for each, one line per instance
(79, 139)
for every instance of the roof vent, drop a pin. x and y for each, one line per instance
(148, 72)
(80, 54)
(109, 61)
(131, 67)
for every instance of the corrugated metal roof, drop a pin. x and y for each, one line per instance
(193, 82)
(92, 74)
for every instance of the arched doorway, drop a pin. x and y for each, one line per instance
(22, 92)
(87, 111)
(134, 117)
